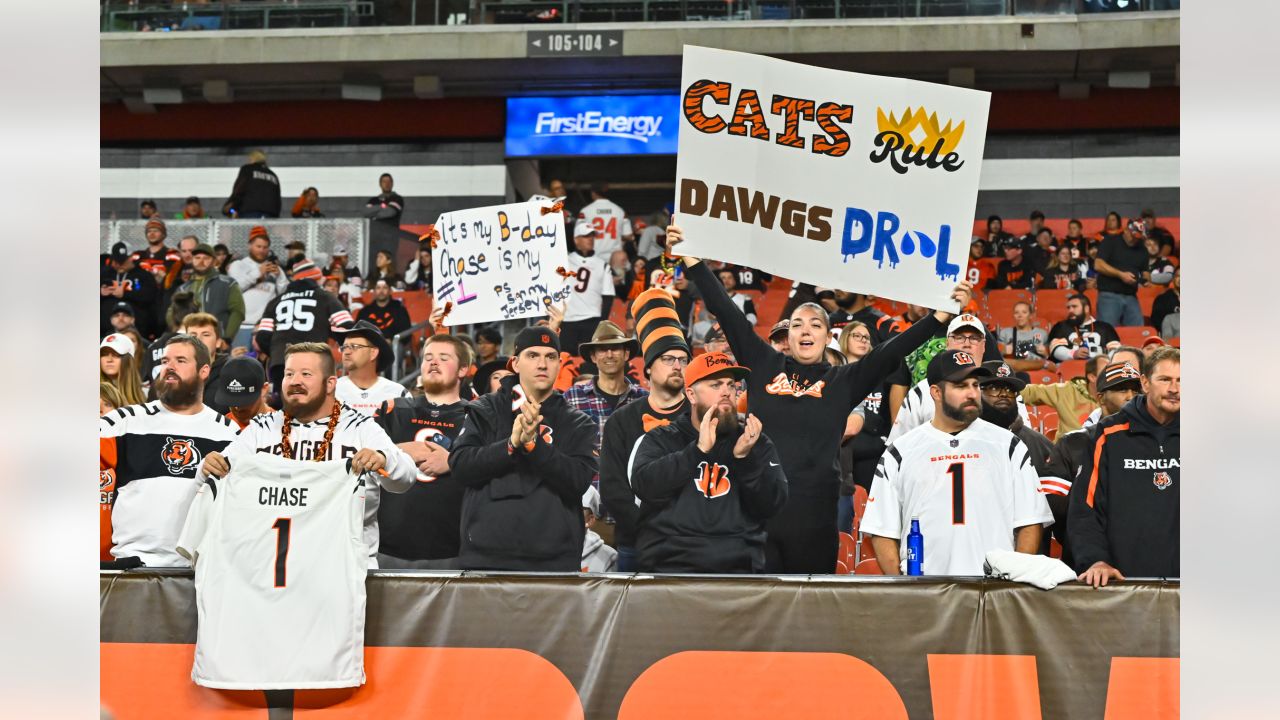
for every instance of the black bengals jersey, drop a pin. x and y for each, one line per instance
(422, 524)
(304, 313)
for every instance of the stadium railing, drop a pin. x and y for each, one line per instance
(179, 15)
(319, 234)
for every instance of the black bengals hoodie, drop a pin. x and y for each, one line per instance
(522, 510)
(1123, 508)
(703, 512)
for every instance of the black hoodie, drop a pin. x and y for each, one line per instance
(1124, 506)
(703, 512)
(523, 510)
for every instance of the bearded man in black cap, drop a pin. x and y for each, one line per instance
(1000, 408)
(525, 458)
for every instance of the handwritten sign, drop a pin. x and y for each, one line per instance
(499, 262)
(849, 181)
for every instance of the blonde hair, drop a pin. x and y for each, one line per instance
(202, 320)
(257, 156)
(128, 382)
(108, 394)
(327, 363)
(846, 331)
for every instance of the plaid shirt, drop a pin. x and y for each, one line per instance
(587, 398)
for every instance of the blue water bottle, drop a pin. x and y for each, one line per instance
(915, 549)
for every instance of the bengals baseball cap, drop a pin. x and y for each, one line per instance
(953, 366)
(119, 343)
(534, 337)
(1153, 340)
(203, 249)
(339, 250)
(779, 330)
(583, 228)
(120, 252)
(123, 307)
(240, 382)
(966, 320)
(1003, 375)
(1117, 375)
(709, 365)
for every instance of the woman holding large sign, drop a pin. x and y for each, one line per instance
(803, 403)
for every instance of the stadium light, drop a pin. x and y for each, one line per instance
(162, 95)
(427, 87)
(361, 91)
(218, 91)
(1140, 79)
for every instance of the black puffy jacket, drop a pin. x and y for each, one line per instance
(703, 512)
(1124, 506)
(523, 510)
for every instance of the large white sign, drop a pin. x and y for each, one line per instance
(849, 181)
(499, 262)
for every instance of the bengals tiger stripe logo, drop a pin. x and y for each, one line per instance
(712, 480)
(179, 455)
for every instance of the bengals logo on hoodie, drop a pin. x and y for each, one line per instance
(712, 480)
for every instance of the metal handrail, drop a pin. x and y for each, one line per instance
(402, 348)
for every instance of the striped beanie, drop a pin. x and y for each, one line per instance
(305, 270)
(657, 324)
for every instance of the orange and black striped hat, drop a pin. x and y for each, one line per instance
(657, 324)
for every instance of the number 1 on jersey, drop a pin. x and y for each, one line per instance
(957, 493)
(281, 526)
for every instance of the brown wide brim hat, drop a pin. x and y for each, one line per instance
(608, 334)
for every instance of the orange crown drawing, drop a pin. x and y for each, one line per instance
(913, 124)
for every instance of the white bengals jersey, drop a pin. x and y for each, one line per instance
(368, 401)
(154, 455)
(969, 490)
(918, 408)
(280, 564)
(610, 223)
(354, 432)
(592, 280)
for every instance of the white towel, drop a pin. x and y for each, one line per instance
(1039, 570)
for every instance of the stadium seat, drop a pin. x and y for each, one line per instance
(1072, 369)
(841, 568)
(1049, 422)
(1175, 341)
(1055, 548)
(1147, 295)
(1092, 294)
(1044, 377)
(867, 567)
(847, 551)
(1135, 336)
(1000, 304)
(1051, 306)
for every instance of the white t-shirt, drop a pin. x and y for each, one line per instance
(610, 223)
(257, 293)
(970, 491)
(647, 246)
(918, 408)
(367, 401)
(355, 431)
(593, 280)
(280, 564)
(155, 454)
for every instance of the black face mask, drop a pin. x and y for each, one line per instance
(998, 417)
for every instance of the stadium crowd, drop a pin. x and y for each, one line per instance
(664, 419)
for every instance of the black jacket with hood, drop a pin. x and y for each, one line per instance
(1124, 506)
(523, 510)
(703, 512)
